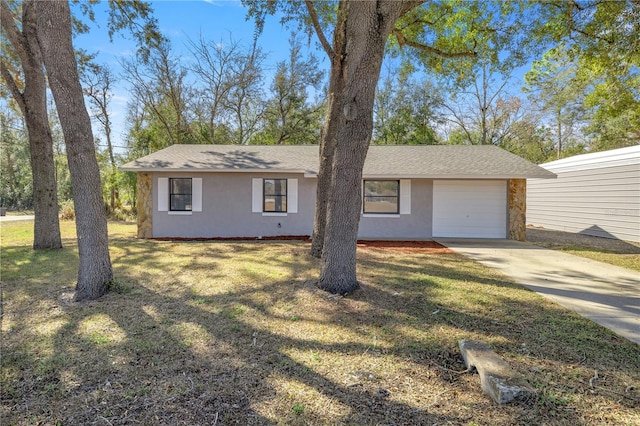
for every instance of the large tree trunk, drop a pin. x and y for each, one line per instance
(54, 35)
(329, 135)
(46, 232)
(33, 105)
(327, 149)
(359, 49)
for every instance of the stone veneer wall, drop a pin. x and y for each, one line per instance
(144, 206)
(517, 209)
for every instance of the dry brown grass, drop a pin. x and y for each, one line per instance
(236, 333)
(625, 254)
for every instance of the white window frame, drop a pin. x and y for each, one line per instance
(163, 196)
(257, 200)
(404, 200)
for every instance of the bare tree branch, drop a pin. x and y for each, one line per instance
(403, 41)
(13, 87)
(409, 5)
(316, 25)
(572, 26)
(16, 38)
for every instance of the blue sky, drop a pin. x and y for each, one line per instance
(181, 20)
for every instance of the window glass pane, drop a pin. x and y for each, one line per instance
(381, 196)
(274, 203)
(181, 186)
(275, 195)
(269, 187)
(181, 202)
(381, 187)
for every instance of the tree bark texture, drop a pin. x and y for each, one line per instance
(329, 137)
(54, 35)
(359, 42)
(327, 148)
(33, 105)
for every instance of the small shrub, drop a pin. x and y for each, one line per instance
(298, 409)
(122, 214)
(67, 211)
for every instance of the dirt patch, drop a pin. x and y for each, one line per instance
(559, 239)
(273, 238)
(430, 247)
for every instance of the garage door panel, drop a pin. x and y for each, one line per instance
(474, 209)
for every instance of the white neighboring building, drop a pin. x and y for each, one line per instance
(595, 194)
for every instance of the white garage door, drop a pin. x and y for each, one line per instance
(470, 208)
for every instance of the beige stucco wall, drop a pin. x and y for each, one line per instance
(517, 209)
(145, 206)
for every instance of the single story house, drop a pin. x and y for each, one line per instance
(595, 194)
(409, 192)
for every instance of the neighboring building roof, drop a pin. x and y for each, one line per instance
(383, 161)
(596, 160)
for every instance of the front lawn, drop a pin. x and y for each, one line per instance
(236, 333)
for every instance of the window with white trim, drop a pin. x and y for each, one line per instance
(180, 194)
(274, 199)
(381, 197)
(274, 195)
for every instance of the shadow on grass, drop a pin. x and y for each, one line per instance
(202, 347)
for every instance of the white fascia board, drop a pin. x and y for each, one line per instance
(458, 177)
(187, 170)
(628, 155)
(314, 175)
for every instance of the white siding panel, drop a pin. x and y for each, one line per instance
(292, 195)
(163, 194)
(595, 194)
(256, 195)
(196, 194)
(474, 209)
(405, 196)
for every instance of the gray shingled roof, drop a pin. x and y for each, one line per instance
(409, 161)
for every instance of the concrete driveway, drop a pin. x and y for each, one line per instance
(14, 218)
(606, 294)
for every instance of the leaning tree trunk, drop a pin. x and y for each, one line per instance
(327, 149)
(329, 135)
(46, 225)
(359, 50)
(54, 35)
(33, 105)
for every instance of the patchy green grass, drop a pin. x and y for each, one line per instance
(625, 254)
(236, 332)
(624, 260)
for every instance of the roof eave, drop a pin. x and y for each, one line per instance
(210, 170)
(458, 176)
(313, 174)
